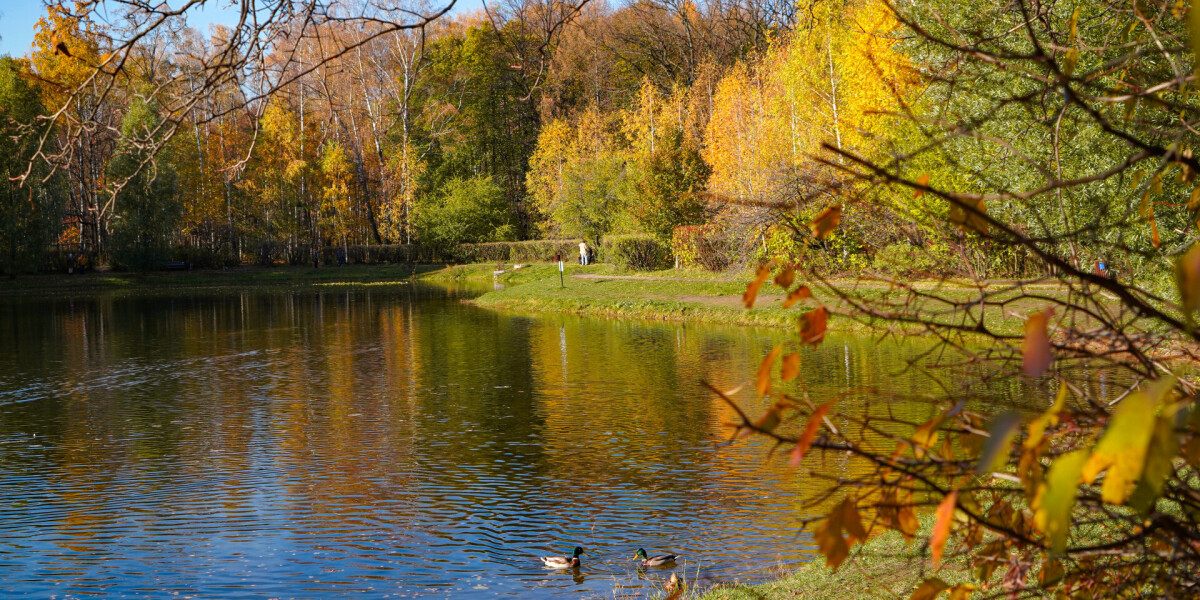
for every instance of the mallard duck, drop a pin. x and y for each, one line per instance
(674, 584)
(653, 561)
(563, 562)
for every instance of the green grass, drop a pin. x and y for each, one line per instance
(884, 567)
(689, 296)
(697, 296)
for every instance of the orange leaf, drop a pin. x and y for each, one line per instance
(764, 371)
(791, 367)
(828, 533)
(826, 222)
(941, 526)
(810, 432)
(1036, 349)
(785, 277)
(852, 521)
(812, 326)
(797, 295)
(1154, 239)
(923, 181)
(760, 276)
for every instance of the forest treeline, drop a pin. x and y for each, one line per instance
(697, 126)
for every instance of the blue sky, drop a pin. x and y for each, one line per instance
(18, 18)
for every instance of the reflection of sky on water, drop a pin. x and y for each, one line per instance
(393, 442)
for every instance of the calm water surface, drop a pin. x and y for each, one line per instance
(383, 442)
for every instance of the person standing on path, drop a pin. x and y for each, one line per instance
(583, 253)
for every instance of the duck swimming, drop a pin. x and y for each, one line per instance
(654, 561)
(563, 562)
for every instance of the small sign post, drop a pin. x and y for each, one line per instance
(558, 259)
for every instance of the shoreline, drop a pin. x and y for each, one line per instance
(244, 277)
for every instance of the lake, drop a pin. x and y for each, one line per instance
(386, 441)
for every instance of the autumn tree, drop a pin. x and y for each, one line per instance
(1064, 132)
(30, 216)
(147, 208)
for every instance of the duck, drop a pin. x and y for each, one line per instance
(674, 584)
(654, 561)
(563, 562)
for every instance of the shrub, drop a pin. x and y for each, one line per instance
(518, 252)
(701, 246)
(637, 252)
(906, 260)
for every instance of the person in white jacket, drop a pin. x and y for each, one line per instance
(583, 253)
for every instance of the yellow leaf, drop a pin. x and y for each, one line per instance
(962, 591)
(1074, 26)
(922, 181)
(1056, 499)
(970, 221)
(791, 366)
(812, 326)
(763, 385)
(760, 276)
(1194, 36)
(785, 277)
(1070, 60)
(799, 294)
(941, 526)
(1194, 199)
(1187, 277)
(926, 435)
(929, 589)
(1035, 351)
(826, 222)
(1164, 445)
(1156, 183)
(1123, 448)
(1037, 429)
(810, 432)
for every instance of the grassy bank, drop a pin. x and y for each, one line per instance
(697, 296)
(603, 291)
(246, 277)
(885, 567)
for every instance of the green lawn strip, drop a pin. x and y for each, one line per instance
(602, 290)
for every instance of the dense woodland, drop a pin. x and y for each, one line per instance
(695, 126)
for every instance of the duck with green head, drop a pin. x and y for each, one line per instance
(563, 562)
(654, 561)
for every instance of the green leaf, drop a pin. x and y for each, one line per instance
(998, 445)
(1056, 499)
